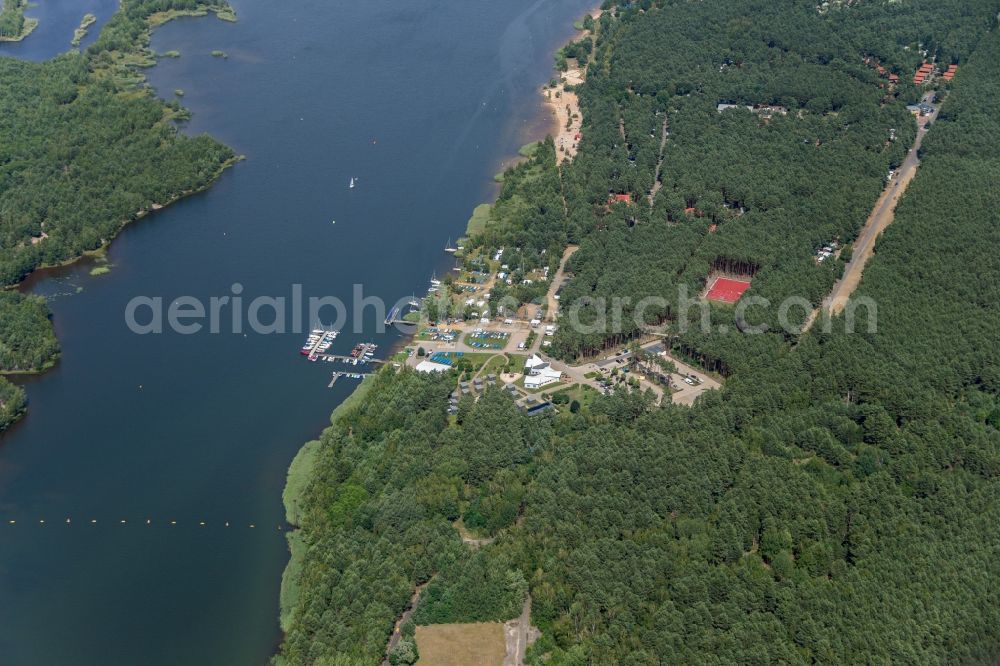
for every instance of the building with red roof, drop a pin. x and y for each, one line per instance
(621, 198)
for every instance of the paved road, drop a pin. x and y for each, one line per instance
(880, 218)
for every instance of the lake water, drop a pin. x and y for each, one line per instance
(421, 102)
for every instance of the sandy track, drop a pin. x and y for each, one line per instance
(881, 217)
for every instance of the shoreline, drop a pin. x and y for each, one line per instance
(27, 27)
(565, 118)
(42, 272)
(302, 463)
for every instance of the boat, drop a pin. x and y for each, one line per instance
(434, 281)
(351, 185)
(449, 248)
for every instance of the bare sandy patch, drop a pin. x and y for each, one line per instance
(475, 644)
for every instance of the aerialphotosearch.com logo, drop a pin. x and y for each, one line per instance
(236, 313)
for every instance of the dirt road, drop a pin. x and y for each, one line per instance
(397, 628)
(519, 633)
(880, 218)
(552, 302)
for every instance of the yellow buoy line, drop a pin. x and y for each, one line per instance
(149, 522)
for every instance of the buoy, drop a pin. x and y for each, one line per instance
(68, 521)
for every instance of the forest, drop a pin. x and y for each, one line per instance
(85, 148)
(838, 501)
(710, 189)
(13, 24)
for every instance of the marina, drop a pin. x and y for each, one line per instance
(215, 445)
(318, 342)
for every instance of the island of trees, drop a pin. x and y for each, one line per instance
(14, 26)
(85, 148)
(837, 501)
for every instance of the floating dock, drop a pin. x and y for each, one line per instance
(318, 342)
(361, 354)
(397, 316)
(350, 375)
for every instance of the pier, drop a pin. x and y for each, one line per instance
(360, 355)
(318, 342)
(397, 316)
(331, 358)
(350, 375)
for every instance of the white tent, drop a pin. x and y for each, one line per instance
(431, 366)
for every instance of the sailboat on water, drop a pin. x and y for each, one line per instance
(449, 248)
(351, 185)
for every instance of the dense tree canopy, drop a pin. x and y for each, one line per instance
(838, 500)
(84, 149)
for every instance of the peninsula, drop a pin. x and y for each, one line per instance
(59, 205)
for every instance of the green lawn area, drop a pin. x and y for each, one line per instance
(478, 359)
(582, 393)
(529, 149)
(480, 216)
(401, 356)
(495, 365)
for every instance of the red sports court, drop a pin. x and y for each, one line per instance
(727, 290)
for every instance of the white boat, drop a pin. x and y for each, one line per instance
(448, 247)
(351, 185)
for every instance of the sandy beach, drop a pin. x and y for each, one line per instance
(564, 105)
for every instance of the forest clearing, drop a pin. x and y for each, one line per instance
(480, 643)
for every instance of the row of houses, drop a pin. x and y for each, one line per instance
(766, 110)
(927, 69)
(923, 72)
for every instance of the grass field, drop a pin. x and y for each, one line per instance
(495, 365)
(477, 644)
(580, 392)
(477, 223)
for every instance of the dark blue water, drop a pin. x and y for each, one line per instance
(420, 101)
(57, 20)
